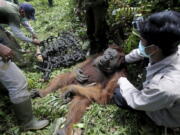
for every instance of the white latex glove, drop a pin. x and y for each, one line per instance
(124, 84)
(121, 80)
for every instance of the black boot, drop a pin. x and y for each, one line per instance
(23, 112)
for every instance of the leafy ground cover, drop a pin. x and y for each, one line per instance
(99, 119)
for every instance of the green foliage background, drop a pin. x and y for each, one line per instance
(98, 120)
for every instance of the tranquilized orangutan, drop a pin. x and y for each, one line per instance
(94, 81)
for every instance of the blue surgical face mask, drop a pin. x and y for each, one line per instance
(142, 50)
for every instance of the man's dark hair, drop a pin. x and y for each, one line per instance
(163, 30)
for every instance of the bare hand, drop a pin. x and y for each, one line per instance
(36, 41)
(6, 53)
(34, 36)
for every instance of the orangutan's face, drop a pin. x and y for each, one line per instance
(109, 61)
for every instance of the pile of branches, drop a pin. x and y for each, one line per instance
(61, 51)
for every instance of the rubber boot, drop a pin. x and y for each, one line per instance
(27, 121)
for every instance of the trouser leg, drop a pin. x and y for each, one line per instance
(14, 81)
(101, 27)
(90, 24)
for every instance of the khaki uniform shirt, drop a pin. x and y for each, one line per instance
(160, 96)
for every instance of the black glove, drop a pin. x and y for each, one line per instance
(80, 76)
(34, 93)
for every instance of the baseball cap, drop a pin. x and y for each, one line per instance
(29, 10)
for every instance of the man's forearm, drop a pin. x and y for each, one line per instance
(27, 25)
(147, 99)
(133, 56)
(19, 34)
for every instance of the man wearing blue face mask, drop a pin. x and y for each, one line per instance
(160, 96)
(143, 49)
